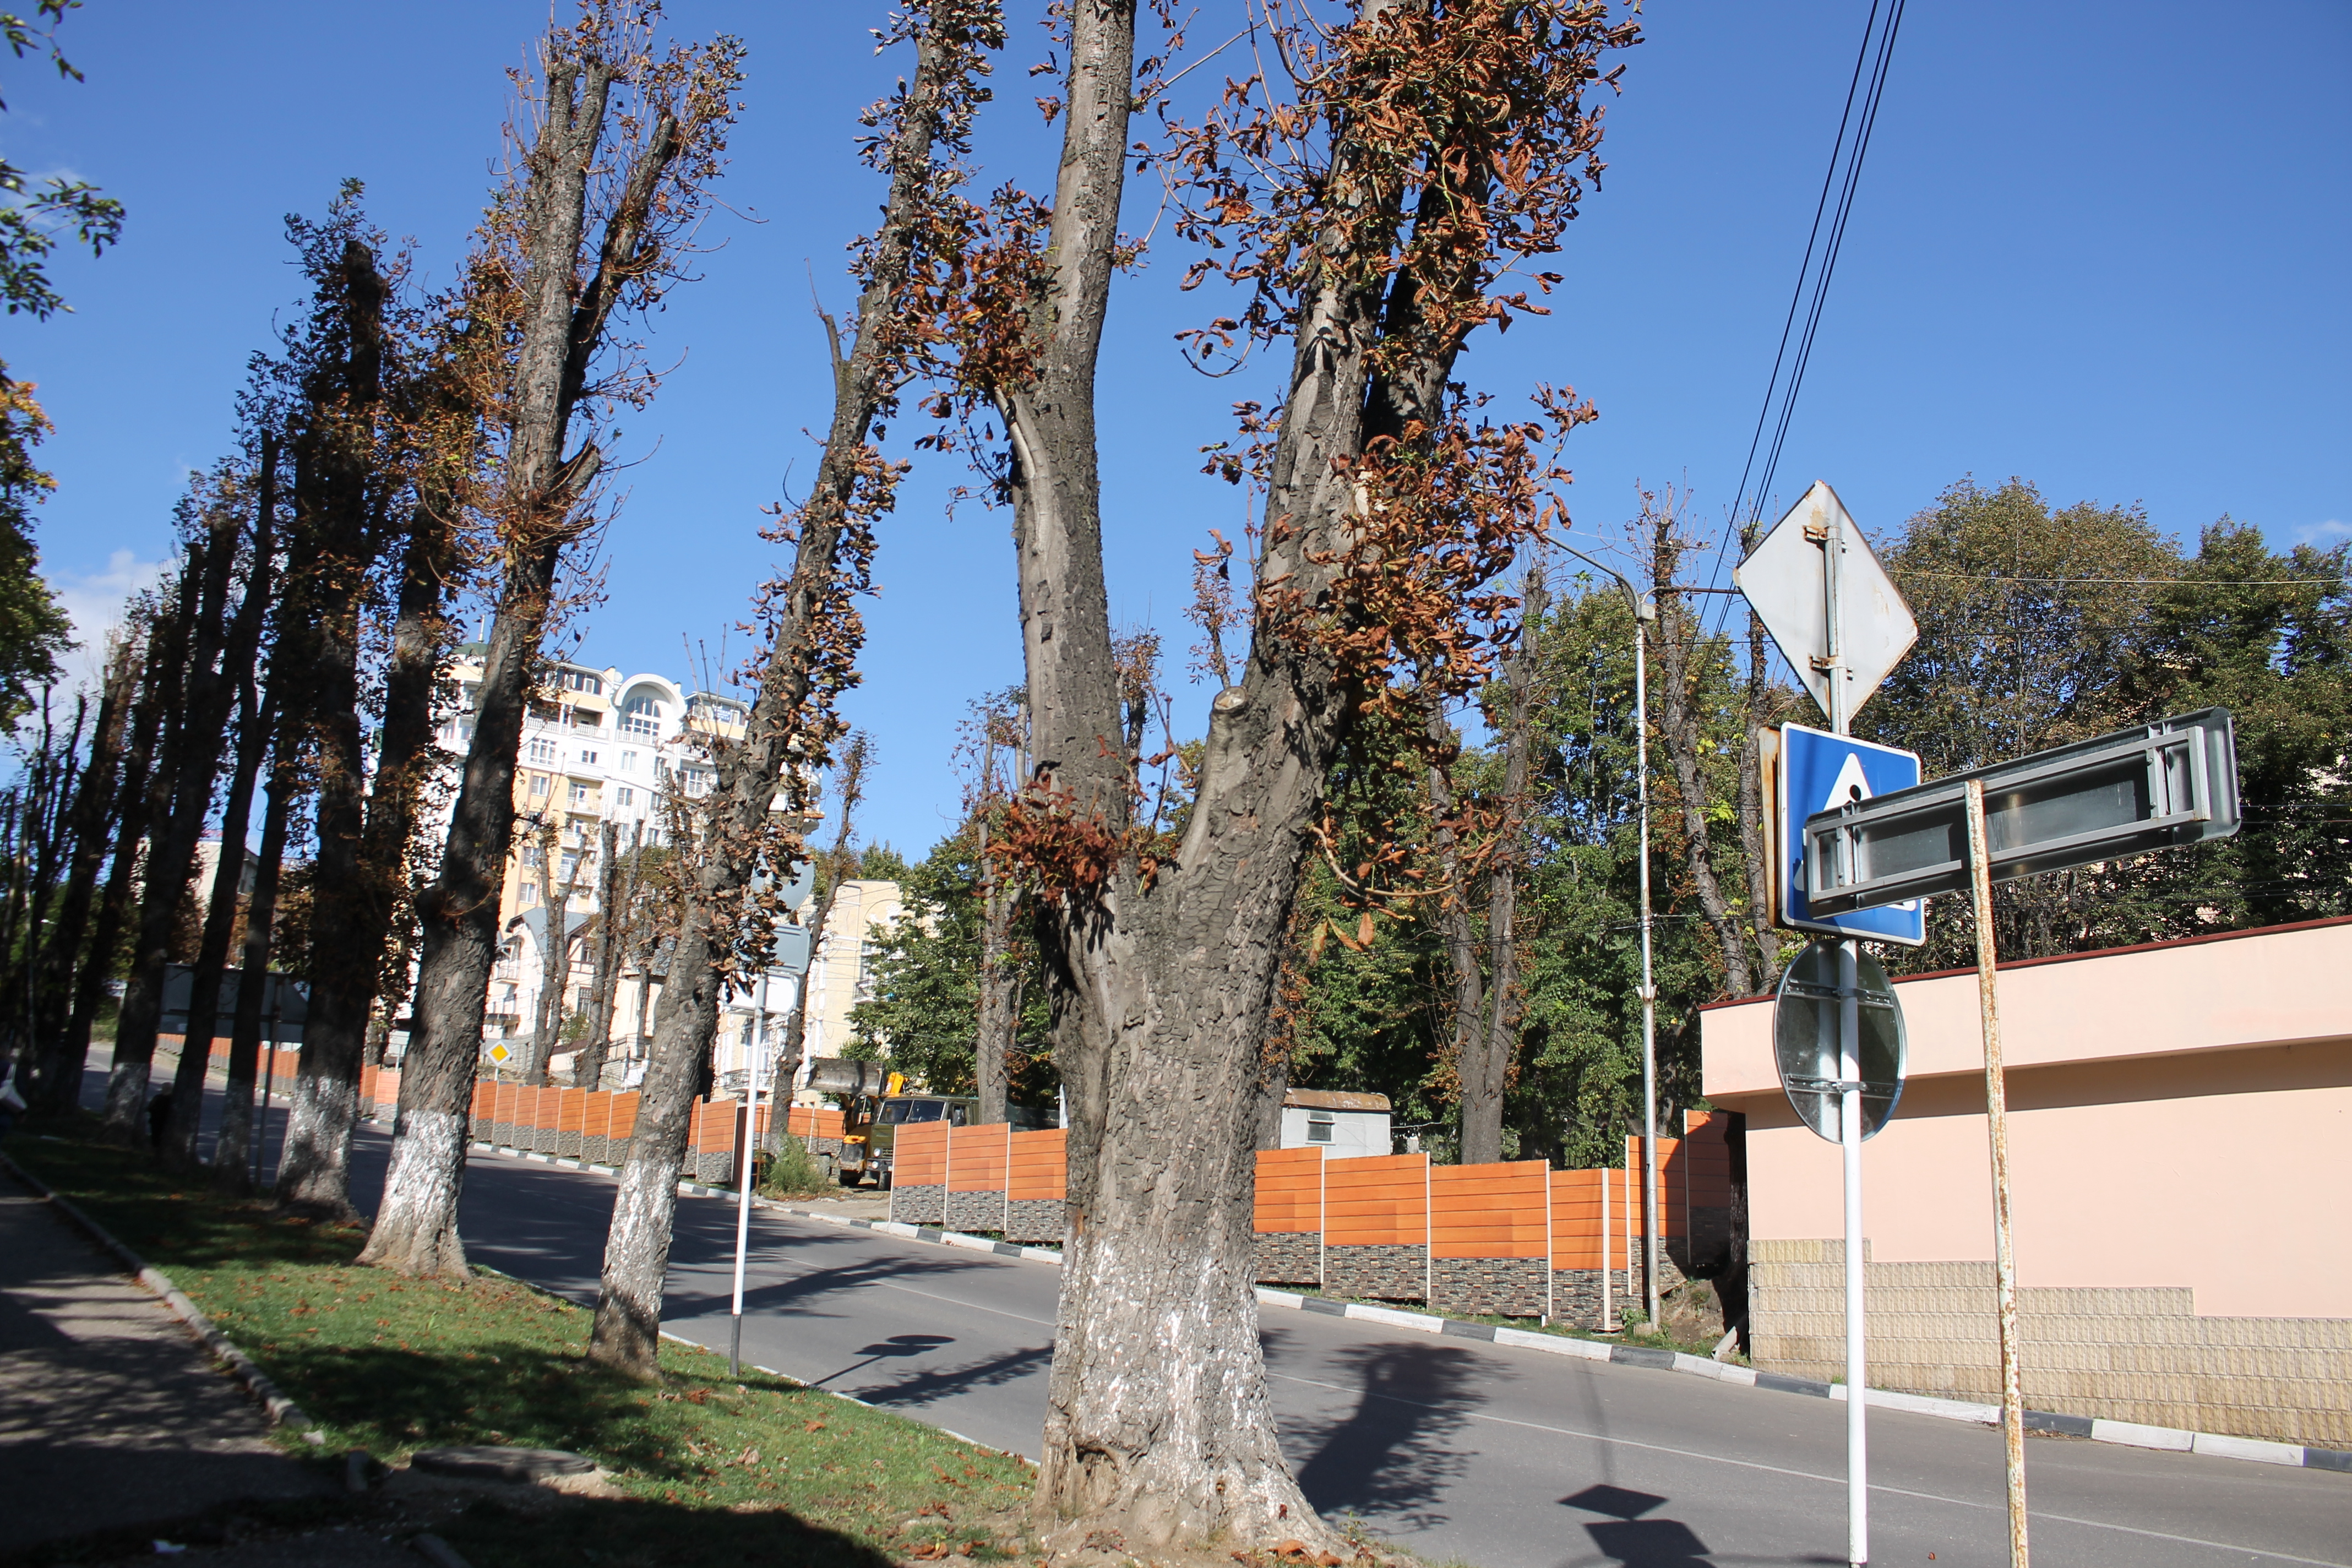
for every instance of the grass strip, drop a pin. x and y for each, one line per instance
(707, 1467)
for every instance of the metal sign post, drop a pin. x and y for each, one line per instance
(1842, 625)
(2004, 1261)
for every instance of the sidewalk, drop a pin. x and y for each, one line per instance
(111, 1415)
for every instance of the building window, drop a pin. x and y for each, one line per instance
(531, 856)
(1318, 1126)
(624, 796)
(580, 792)
(628, 761)
(539, 786)
(641, 715)
(540, 748)
(530, 894)
(581, 680)
(587, 757)
(570, 865)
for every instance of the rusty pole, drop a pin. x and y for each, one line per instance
(2012, 1403)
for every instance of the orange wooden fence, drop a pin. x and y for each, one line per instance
(1379, 1200)
(1488, 1211)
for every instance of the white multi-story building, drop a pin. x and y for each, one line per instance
(598, 747)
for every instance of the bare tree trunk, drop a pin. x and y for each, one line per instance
(1157, 1417)
(232, 1149)
(56, 1076)
(554, 950)
(238, 666)
(1482, 1114)
(813, 637)
(1675, 635)
(179, 1133)
(614, 893)
(1752, 835)
(562, 329)
(1000, 1009)
(183, 795)
(62, 1090)
(337, 496)
(1491, 1038)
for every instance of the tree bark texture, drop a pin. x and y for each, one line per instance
(782, 731)
(56, 1080)
(562, 330)
(1488, 1039)
(1157, 1413)
(257, 712)
(232, 1149)
(554, 950)
(339, 480)
(63, 1090)
(239, 660)
(1675, 635)
(999, 1000)
(616, 892)
(181, 797)
(1753, 836)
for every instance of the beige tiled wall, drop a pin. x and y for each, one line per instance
(2121, 1355)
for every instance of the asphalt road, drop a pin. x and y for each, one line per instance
(1457, 1449)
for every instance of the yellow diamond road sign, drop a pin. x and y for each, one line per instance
(501, 1054)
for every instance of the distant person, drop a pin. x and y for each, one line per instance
(12, 1102)
(158, 1112)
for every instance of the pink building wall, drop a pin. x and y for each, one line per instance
(2180, 1119)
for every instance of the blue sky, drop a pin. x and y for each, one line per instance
(2102, 246)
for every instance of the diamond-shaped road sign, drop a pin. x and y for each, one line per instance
(1828, 603)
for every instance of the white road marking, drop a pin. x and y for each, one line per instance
(1805, 1475)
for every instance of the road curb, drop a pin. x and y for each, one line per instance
(283, 1411)
(1643, 1357)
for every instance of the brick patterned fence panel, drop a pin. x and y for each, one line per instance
(1037, 1169)
(1376, 1226)
(1288, 1216)
(621, 1128)
(977, 1158)
(1586, 1242)
(918, 1173)
(1490, 1238)
(571, 1122)
(711, 1157)
(484, 1098)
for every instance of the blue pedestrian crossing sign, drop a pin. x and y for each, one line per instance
(1817, 771)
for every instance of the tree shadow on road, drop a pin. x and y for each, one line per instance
(1393, 1454)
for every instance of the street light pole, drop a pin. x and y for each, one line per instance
(1644, 612)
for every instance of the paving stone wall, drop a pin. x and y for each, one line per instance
(1034, 1220)
(918, 1206)
(1289, 1257)
(975, 1211)
(1377, 1273)
(1506, 1287)
(2110, 1352)
(711, 1167)
(1576, 1296)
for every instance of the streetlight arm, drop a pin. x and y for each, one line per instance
(1644, 608)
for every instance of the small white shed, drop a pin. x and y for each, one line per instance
(1347, 1125)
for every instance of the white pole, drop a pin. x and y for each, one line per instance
(1857, 1400)
(744, 1178)
(1649, 979)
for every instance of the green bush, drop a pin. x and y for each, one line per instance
(791, 1172)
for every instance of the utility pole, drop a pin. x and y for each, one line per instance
(1645, 611)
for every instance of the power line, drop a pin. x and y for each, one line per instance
(1860, 129)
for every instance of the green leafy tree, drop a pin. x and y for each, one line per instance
(923, 1015)
(34, 628)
